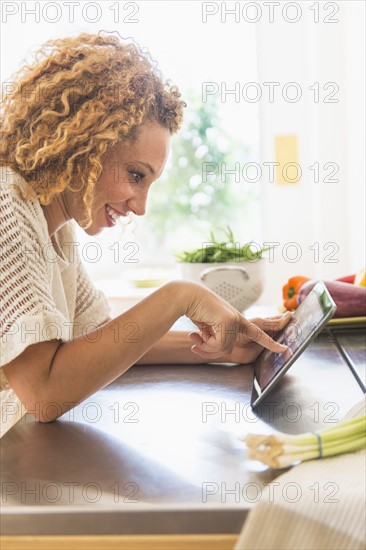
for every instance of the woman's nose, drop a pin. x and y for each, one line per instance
(137, 205)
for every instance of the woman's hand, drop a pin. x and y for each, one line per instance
(246, 350)
(224, 332)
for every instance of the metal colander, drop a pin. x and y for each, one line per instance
(233, 284)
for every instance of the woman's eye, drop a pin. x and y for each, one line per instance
(136, 176)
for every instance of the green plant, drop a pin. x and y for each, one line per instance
(226, 251)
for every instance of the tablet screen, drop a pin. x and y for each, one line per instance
(307, 319)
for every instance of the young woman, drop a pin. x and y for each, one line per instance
(85, 134)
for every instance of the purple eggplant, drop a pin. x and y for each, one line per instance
(349, 299)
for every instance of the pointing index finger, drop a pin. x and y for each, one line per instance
(253, 332)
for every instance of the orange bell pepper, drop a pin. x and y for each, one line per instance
(291, 290)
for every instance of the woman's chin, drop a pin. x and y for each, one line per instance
(94, 231)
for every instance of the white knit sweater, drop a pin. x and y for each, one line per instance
(46, 293)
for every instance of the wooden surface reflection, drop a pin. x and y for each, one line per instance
(158, 449)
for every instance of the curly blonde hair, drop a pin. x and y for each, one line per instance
(80, 97)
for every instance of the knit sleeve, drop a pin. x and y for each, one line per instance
(28, 313)
(91, 305)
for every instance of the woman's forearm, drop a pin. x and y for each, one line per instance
(173, 348)
(63, 374)
(86, 364)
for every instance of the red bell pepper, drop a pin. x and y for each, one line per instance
(347, 279)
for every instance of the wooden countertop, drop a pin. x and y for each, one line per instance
(157, 451)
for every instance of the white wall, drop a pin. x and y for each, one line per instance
(315, 212)
(355, 48)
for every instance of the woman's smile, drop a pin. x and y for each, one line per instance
(111, 215)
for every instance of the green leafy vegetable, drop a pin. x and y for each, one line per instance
(226, 251)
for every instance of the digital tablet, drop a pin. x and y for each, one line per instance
(308, 319)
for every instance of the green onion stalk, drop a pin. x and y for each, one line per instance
(282, 450)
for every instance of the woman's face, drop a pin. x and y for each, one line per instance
(128, 171)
